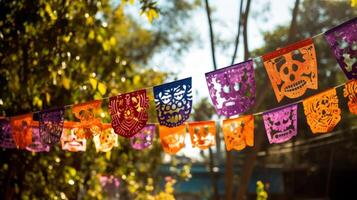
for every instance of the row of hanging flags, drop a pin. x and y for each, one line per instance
(292, 71)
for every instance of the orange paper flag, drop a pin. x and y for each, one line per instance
(239, 132)
(172, 139)
(22, 130)
(106, 140)
(70, 140)
(350, 91)
(203, 134)
(292, 69)
(322, 111)
(85, 112)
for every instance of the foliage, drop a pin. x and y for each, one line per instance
(261, 193)
(55, 53)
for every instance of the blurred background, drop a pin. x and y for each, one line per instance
(55, 53)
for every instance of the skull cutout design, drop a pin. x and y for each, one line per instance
(51, 125)
(144, 138)
(22, 130)
(322, 111)
(6, 140)
(239, 132)
(343, 42)
(37, 145)
(203, 134)
(292, 70)
(85, 112)
(106, 140)
(173, 102)
(281, 124)
(172, 139)
(350, 91)
(129, 112)
(232, 89)
(70, 140)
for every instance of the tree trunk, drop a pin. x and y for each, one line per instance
(245, 30)
(211, 155)
(213, 175)
(251, 157)
(238, 33)
(213, 51)
(228, 185)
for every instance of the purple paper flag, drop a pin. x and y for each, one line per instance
(232, 89)
(37, 145)
(51, 125)
(343, 42)
(281, 124)
(6, 140)
(144, 138)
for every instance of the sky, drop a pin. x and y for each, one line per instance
(197, 60)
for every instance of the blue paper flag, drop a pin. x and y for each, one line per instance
(173, 102)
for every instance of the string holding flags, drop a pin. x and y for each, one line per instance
(232, 89)
(292, 69)
(173, 102)
(343, 43)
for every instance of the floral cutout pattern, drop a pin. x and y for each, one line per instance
(70, 139)
(172, 139)
(37, 144)
(292, 70)
(6, 139)
(350, 91)
(144, 138)
(322, 111)
(51, 125)
(106, 140)
(343, 42)
(173, 102)
(232, 89)
(22, 130)
(281, 124)
(238, 132)
(129, 112)
(203, 134)
(89, 125)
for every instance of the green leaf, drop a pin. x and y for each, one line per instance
(66, 82)
(102, 88)
(93, 82)
(37, 101)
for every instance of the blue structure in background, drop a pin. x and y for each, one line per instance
(200, 183)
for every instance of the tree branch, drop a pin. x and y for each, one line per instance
(245, 30)
(238, 34)
(251, 157)
(208, 11)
